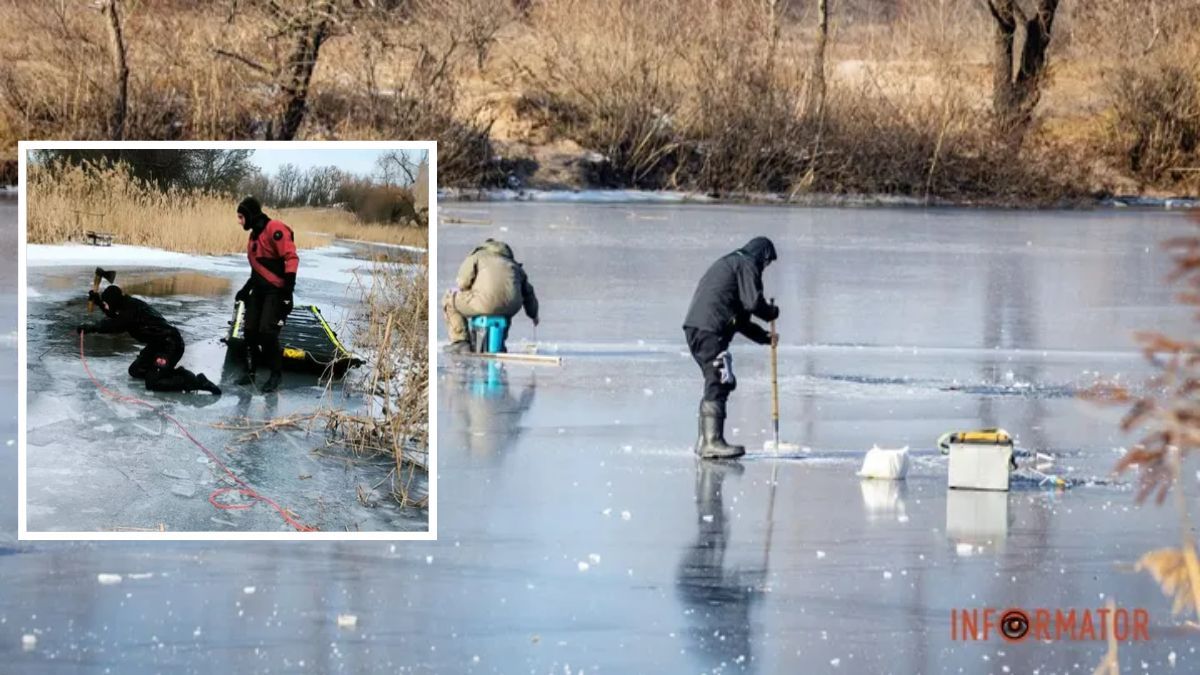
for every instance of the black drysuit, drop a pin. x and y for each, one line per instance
(726, 298)
(156, 363)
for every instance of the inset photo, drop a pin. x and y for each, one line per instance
(226, 340)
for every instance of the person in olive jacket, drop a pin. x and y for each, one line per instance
(490, 282)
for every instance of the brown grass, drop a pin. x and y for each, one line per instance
(64, 203)
(393, 329)
(696, 94)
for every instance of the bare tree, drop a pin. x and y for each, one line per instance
(816, 101)
(397, 167)
(116, 38)
(308, 24)
(1015, 95)
(478, 22)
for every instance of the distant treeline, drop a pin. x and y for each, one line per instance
(384, 198)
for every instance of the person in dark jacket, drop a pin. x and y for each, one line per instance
(158, 361)
(271, 250)
(729, 294)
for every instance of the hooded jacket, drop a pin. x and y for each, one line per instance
(497, 281)
(731, 291)
(127, 314)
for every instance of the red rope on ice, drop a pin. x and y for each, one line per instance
(244, 490)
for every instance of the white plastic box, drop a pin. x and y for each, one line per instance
(978, 466)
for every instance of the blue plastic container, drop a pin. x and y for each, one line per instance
(493, 327)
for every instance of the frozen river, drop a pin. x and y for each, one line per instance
(578, 533)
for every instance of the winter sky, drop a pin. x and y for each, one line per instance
(360, 162)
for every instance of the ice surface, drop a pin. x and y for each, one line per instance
(132, 461)
(785, 579)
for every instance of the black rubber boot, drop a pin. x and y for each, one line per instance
(272, 382)
(205, 384)
(248, 376)
(460, 347)
(712, 426)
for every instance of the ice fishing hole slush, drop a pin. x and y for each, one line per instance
(242, 489)
(775, 445)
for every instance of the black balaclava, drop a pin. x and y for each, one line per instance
(761, 251)
(113, 300)
(251, 209)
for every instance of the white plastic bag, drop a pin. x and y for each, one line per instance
(885, 464)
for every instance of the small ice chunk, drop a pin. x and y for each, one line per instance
(583, 567)
(707, 518)
(249, 590)
(28, 641)
(176, 474)
(648, 392)
(835, 662)
(140, 575)
(347, 620)
(594, 558)
(625, 515)
(10, 442)
(108, 579)
(820, 555)
(183, 490)
(1171, 659)
(106, 428)
(964, 549)
(627, 448)
(428, 560)
(887, 574)
(607, 512)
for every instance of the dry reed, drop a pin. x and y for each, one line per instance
(66, 202)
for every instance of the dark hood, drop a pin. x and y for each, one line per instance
(761, 251)
(114, 298)
(251, 209)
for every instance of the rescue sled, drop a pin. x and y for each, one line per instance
(309, 342)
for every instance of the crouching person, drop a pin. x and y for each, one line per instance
(490, 283)
(728, 295)
(157, 364)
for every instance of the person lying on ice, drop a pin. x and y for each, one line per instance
(271, 250)
(157, 363)
(726, 298)
(490, 282)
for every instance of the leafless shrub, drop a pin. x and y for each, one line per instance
(393, 328)
(1156, 120)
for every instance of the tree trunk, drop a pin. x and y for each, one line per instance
(1014, 96)
(116, 39)
(297, 71)
(817, 99)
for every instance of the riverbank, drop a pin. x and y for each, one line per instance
(451, 195)
(721, 98)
